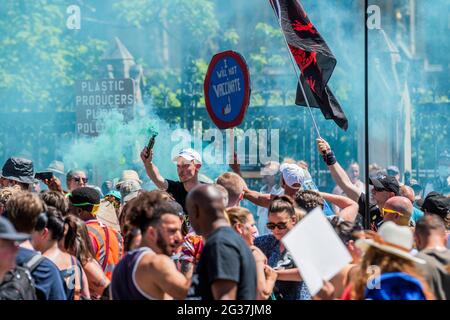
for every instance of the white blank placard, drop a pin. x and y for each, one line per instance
(316, 249)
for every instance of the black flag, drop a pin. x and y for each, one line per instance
(313, 57)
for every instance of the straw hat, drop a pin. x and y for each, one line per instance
(393, 239)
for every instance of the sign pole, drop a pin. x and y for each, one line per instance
(231, 137)
(227, 94)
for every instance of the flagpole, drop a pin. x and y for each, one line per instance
(296, 71)
(366, 116)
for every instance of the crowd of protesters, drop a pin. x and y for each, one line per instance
(188, 239)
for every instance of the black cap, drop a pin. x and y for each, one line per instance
(387, 183)
(8, 232)
(437, 203)
(18, 169)
(392, 170)
(84, 196)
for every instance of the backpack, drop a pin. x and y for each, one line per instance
(18, 284)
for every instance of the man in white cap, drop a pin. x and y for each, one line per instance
(291, 179)
(188, 163)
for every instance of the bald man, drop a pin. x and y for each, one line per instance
(227, 269)
(408, 192)
(398, 210)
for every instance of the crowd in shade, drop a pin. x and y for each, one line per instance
(189, 239)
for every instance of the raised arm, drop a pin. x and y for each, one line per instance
(258, 198)
(236, 166)
(349, 208)
(337, 172)
(152, 170)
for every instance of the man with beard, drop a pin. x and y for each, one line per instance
(148, 273)
(188, 165)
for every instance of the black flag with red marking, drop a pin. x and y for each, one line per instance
(313, 57)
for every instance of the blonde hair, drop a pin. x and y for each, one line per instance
(302, 164)
(7, 193)
(289, 160)
(299, 213)
(237, 215)
(233, 183)
(224, 193)
(23, 210)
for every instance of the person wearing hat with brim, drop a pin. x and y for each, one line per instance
(9, 246)
(128, 175)
(17, 171)
(58, 170)
(56, 167)
(384, 186)
(188, 163)
(385, 252)
(129, 185)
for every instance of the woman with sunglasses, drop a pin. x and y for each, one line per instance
(282, 218)
(243, 223)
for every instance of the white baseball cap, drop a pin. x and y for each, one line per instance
(292, 175)
(189, 154)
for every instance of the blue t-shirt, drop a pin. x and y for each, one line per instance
(49, 285)
(286, 290)
(417, 214)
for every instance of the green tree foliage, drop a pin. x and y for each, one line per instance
(40, 59)
(176, 22)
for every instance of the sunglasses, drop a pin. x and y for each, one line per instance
(384, 211)
(280, 226)
(79, 179)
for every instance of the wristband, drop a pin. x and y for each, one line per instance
(329, 158)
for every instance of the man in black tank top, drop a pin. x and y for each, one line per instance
(148, 272)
